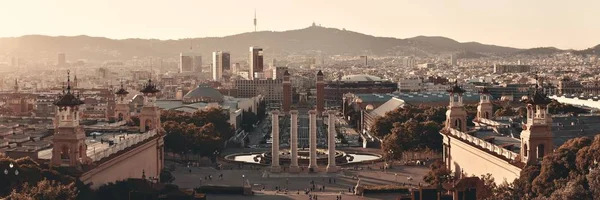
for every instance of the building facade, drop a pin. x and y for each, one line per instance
(357, 84)
(501, 69)
(255, 61)
(567, 85)
(197, 63)
(410, 85)
(186, 63)
(271, 90)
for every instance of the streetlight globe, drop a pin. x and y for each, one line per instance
(10, 165)
(6, 171)
(16, 172)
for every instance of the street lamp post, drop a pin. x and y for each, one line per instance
(9, 169)
(215, 154)
(243, 176)
(390, 157)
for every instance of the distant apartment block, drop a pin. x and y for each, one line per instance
(410, 62)
(567, 85)
(357, 84)
(185, 63)
(271, 90)
(500, 69)
(197, 63)
(426, 65)
(410, 85)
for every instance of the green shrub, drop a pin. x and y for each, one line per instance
(386, 189)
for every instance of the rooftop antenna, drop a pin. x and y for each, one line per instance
(255, 20)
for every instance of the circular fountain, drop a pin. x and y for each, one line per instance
(341, 157)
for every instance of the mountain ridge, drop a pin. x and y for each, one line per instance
(310, 41)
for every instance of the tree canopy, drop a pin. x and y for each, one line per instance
(45, 189)
(31, 177)
(413, 128)
(570, 172)
(201, 132)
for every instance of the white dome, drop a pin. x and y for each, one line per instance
(360, 77)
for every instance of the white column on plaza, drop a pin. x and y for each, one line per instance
(312, 114)
(331, 141)
(294, 141)
(275, 146)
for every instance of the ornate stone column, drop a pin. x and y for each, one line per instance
(312, 115)
(275, 138)
(331, 141)
(294, 141)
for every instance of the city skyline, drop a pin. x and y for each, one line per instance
(528, 25)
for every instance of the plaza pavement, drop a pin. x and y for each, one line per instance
(260, 178)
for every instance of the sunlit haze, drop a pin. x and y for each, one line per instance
(522, 24)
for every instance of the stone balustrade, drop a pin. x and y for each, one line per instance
(537, 121)
(484, 144)
(123, 144)
(491, 122)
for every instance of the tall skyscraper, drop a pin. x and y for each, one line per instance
(256, 61)
(197, 63)
(185, 63)
(273, 63)
(235, 68)
(226, 60)
(61, 60)
(218, 60)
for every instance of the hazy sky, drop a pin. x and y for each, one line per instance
(518, 23)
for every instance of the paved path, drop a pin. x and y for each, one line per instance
(264, 183)
(321, 196)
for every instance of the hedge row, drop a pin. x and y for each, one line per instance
(386, 189)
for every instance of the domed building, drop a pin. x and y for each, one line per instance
(360, 78)
(205, 94)
(358, 84)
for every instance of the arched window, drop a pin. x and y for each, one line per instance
(540, 151)
(148, 124)
(458, 124)
(82, 151)
(64, 152)
(525, 150)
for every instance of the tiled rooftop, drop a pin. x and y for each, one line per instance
(500, 140)
(93, 145)
(416, 98)
(564, 127)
